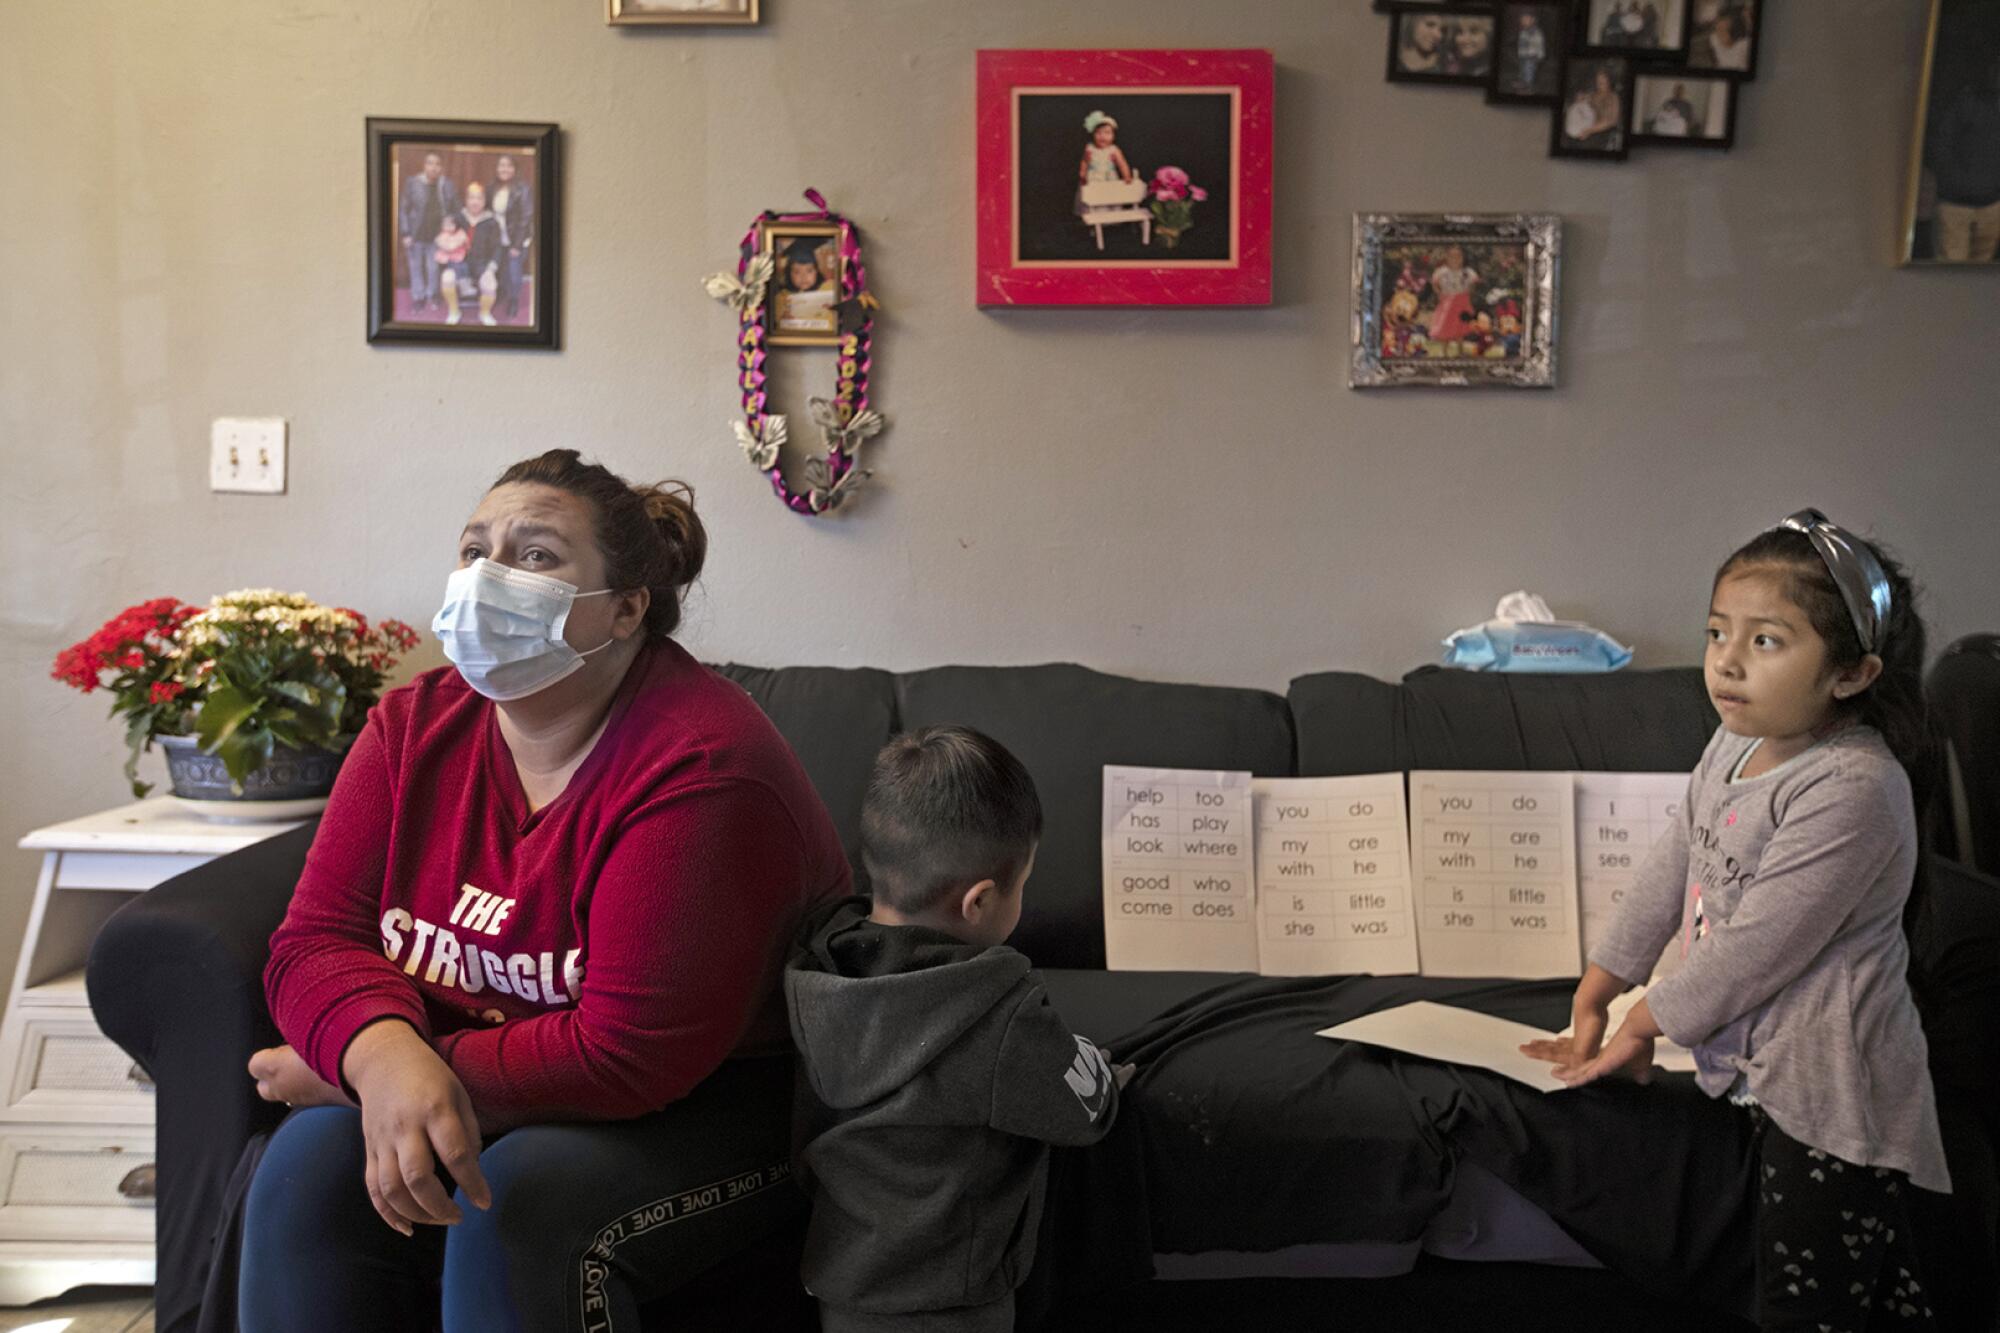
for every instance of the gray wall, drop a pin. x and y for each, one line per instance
(1187, 494)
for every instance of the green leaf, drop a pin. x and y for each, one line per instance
(323, 699)
(288, 728)
(139, 788)
(224, 710)
(243, 751)
(297, 691)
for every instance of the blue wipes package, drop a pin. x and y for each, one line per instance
(1526, 645)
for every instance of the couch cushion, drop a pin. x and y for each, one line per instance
(1346, 723)
(1964, 686)
(1067, 722)
(835, 719)
(1623, 721)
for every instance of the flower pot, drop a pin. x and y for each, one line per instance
(1168, 237)
(292, 783)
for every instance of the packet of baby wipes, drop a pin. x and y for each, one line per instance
(1524, 635)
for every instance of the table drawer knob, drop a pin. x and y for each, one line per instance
(141, 1182)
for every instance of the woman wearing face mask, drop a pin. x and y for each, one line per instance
(530, 975)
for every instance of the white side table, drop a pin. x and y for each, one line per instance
(76, 1114)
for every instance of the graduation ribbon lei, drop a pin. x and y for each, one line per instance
(846, 419)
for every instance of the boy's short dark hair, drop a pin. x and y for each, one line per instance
(946, 807)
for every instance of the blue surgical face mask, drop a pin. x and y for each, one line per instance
(503, 629)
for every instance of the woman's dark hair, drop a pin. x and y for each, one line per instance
(945, 808)
(649, 535)
(1894, 704)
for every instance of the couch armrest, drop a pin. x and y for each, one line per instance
(176, 978)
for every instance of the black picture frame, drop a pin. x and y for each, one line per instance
(394, 318)
(1636, 119)
(1584, 42)
(1576, 70)
(1448, 14)
(1750, 11)
(1553, 17)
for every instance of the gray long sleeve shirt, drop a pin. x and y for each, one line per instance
(1788, 891)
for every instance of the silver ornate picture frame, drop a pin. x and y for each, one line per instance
(1455, 299)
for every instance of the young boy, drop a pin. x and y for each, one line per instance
(936, 1072)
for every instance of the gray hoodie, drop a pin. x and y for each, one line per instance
(936, 1075)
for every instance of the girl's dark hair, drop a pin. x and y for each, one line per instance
(649, 535)
(1895, 704)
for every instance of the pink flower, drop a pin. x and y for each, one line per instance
(1170, 183)
(1196, 193)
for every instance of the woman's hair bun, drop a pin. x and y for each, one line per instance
(670, 504)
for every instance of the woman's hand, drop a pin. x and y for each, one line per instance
(1590, 1014)
(283, 1076)
(415, 1114)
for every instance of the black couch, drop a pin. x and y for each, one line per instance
(175, 978)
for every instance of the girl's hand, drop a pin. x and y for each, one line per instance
(1590, 1014)
(1627, 1055)
(283, 1076)
(413, 1106)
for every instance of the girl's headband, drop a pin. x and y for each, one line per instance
(1096, 118)
(1856, 572)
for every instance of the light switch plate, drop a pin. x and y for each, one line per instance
(247, 454)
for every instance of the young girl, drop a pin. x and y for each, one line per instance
(1102, 159)
(453, 241)
(805, 297)
(1789, 877)
(1453, 281)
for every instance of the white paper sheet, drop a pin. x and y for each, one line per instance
(1178, 871)
(1619, 816)
(1495, 873)
(1333, 876)
(1456, 1036)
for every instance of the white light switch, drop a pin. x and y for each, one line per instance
(247, 454)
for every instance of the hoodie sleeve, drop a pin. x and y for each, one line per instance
(1049, 1083)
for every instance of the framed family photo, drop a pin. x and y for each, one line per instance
(1724, 36)
(805, 283)
(464, 230)
(1676, 109)
(680, 11)
(1592, 119)
(1951, 213)
(1455, 299)
(1639, 29)
(1441, 44)
(1530, 42)
(1124, 177)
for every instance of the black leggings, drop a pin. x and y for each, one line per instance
(588, 1220)
(1834, 1246)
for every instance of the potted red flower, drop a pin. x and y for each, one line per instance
(254, 698)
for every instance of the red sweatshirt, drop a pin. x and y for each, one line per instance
(593, 960)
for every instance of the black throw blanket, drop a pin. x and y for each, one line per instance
(1251, 1133)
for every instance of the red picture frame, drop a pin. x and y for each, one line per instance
(1037, 244)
